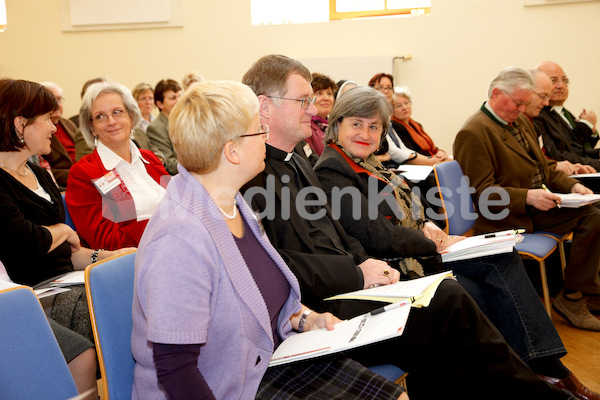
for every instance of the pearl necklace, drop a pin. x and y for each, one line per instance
(16, 172)
(233, 214)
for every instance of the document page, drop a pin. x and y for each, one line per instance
(396, 292)
(359, 331)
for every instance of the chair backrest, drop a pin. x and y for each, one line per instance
(455, 197)
(109, 288)
(32, 365)
(68, 219)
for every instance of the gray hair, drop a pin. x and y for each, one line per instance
(511, 79)
(92, 93)
(141, 88)
(361, 102)
(52, 86)
(402, 91)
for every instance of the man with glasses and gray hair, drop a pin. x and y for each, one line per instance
(566, 137)
(497, 148)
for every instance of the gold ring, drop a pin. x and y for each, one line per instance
(386, 272)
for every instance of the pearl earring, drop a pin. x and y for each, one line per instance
(95, 141)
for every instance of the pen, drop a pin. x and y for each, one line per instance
(505, 233)
(395, 305)
(548, 190)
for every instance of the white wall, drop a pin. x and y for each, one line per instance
(456, 50)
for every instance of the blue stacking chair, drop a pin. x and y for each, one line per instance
(109, 289)
(32, 365)
(68, 219)
(391, 373)
(448, 177)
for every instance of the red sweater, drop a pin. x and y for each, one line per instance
(106, 221)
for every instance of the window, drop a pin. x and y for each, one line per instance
(276, 12)
(342, 9)
(2, 16)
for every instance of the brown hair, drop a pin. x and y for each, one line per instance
(321, 82)
(19, 98)
(164, 86)
(268, 76)
(375, 80)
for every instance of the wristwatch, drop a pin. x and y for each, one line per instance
(303, 317)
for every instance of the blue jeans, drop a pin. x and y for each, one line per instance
(503, 291)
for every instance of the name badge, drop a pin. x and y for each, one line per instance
(108, 182)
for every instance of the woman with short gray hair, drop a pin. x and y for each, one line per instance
(400, 233)
(112, 192)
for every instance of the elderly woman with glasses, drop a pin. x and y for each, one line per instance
(236, 298)
(410, 131)
(400, 233)
(393, 151)
(112, 192)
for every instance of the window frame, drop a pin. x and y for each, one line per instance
(335, 15)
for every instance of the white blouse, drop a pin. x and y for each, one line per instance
(145, 191)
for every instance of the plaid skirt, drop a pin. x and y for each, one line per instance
(326, 378)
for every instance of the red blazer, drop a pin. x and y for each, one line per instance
(107, 221)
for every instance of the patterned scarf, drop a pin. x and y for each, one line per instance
(410, 205)
(418, 135)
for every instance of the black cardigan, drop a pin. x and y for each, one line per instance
(24, 243)
(381, 237)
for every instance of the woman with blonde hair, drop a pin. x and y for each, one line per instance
(236, 298)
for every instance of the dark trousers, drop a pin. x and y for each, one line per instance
(451, 350)
(503, 291)
(583, 265)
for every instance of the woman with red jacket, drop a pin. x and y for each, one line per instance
(113, 191)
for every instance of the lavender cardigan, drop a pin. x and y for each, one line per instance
(193, 286)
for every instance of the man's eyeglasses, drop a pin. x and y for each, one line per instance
(517, 103)
(304, 102)
(383, 88)
(544, 97)
(555, 80)
(118, 113)
(263, 132)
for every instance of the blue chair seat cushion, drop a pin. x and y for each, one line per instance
(536, 245)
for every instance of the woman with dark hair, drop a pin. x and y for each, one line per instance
(323, 89)
(166, 95)
(35, 243)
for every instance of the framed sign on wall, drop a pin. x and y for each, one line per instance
(86, 15)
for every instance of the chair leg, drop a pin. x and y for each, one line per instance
(563, 257)
(545, 290)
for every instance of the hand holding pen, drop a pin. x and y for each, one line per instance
(548, 190)
(542, 199)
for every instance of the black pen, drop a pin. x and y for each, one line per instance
(504, 233)
(395, 305)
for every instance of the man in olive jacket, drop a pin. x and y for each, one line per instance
(497, 149)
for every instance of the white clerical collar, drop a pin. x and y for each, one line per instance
(110, 159)
(487, 107)
(558, 109)
(288, 157)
